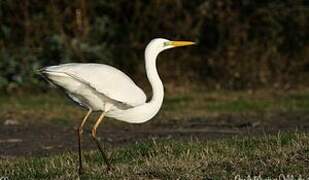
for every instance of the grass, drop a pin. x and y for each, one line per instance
(267, 156)
(179, 106)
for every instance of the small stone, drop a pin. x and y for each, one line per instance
(11, 140)
(11, 122)
(47, 147)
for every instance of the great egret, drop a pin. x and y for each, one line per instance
(100, 87)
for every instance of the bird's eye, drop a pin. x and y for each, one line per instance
(166, 44)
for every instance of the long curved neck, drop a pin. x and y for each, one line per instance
(154, 78)
(145, 112)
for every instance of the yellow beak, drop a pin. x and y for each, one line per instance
(181, 43)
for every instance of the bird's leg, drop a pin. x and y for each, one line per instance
(79, 134)
(94, 131)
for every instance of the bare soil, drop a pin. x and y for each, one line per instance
(42, 139)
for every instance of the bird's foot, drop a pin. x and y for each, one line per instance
(81, 171)
(109, 169)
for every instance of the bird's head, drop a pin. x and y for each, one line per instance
(159, 44)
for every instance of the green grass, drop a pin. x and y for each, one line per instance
(51, 106)
(207, 104)
(268, 156)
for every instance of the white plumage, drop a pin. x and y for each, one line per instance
(102, 80)
(103, 88)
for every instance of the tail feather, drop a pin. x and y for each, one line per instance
(41, 71)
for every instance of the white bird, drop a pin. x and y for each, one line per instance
(100, 87)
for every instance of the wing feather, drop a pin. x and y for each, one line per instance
(105, 79)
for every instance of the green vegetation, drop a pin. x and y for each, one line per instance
(268, 156)
(181, 106)
(285, 153)
(241, 44)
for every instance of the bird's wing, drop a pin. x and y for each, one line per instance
(105, 79)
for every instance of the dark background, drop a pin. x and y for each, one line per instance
(242, 44)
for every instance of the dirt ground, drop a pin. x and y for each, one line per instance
(45, 138)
